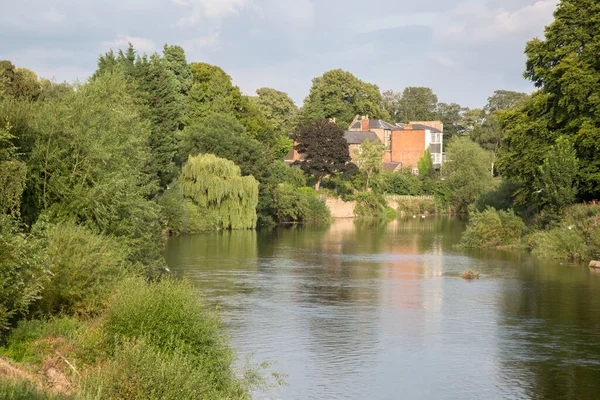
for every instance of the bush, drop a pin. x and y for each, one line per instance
(499, 197)
(84, 268)
(575, 237)
(417, 206)
(183, 216)
(299, 205)
(22, 390)
(493, 228)
(22, 272)
(140, 371)
(169, 317)
(372, 205)
(398, 183)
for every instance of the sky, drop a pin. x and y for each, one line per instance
(463, 50)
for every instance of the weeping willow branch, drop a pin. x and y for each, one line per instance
(215, 186)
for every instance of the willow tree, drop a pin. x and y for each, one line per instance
(217, 187)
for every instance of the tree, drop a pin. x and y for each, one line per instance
(212, 92)
(417, 104)
(12, 174)
(451, 115)
(177, 63)
(504, 99)
(19, 83)
(369, 160)
(339, 94)
(467, 172)
(391, 104)
(159, 91)
(217, 188)
(425, 164)
(564, 66)
(324, 148)
(278, 108)
(555, 181)
(88, 165)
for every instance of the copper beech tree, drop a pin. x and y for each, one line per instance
(323, 148)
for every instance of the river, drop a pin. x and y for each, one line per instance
(360, 310)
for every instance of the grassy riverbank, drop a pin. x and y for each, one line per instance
(574, 235)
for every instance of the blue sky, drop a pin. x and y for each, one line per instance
(463, 50)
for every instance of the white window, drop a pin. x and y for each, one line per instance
(415, 171)
(436, 157)
(387, 139)
(436, 137)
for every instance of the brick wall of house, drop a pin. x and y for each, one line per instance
(408, 146)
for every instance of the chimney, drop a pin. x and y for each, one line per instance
(364, 123)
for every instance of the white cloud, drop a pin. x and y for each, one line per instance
(142, 45)
(445, 61)
(476, 23)
(209, 9)
(208, 41)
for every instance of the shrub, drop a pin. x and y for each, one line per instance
(22, 272)
(417, 206)
(398, 183)
(23, 390)
(84, 269)
(140, 371)
(299, 205)
(169, 317)
(493, 228)
(372, 205)
(575, 237)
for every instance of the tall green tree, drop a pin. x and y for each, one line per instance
(88, 165)
(324, 148)
(564, 66)
(467, 172)
(339, 94)
(369, 160)
(555, 180)
(218, 189)
(417, 104)
(505, 99)
(451, 115)
(425, 164)
(177, 63)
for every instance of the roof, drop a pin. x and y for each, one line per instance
(391, 166)
(374, 124)
(359, 137)
(416, 127)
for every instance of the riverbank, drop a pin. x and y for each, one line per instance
(575, 236)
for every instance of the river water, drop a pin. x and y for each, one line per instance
(360, 310)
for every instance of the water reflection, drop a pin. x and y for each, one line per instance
(367, 310)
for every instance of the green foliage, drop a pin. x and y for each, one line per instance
(499, 196)
(402, 183)
(492, 228)
(18, 83)
(372, 205)
(555, 180)
(87, 165)
(22, 271)
(339, 94)
(216, 185)
(368, 157)
(417, 206)
(564, 66)
(324, 148)
(177, 63)
(425, 164)
(84, 268)
(174, 327)
(575, 237)
(302, 205)
(22, 390)
(417, 104)
(467, 171)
